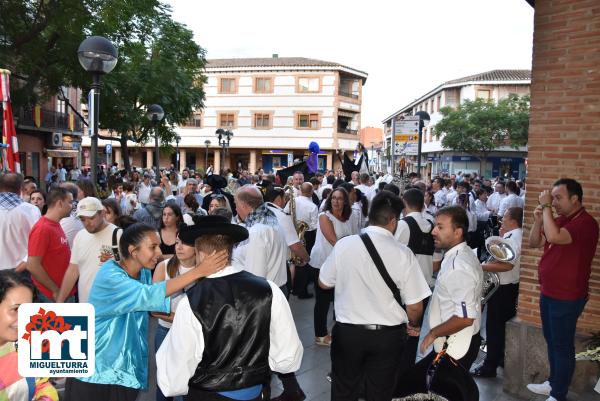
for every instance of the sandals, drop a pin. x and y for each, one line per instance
(324, 341)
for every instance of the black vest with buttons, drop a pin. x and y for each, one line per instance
(235, 314)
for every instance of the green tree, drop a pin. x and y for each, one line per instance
(159, 62)
(165, 69)
(39, 39)
(478, 127)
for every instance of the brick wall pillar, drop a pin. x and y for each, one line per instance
(564, 141)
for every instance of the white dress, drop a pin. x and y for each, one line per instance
(322, 247)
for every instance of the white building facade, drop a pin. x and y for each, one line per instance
(275, 107)
(495, 85)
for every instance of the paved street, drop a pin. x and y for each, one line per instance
(316, 364)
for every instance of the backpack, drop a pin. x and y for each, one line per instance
(420, 243)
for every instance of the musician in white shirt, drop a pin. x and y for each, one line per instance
(502, 306)
(511, 200)
(493, 202)
(371, 326)
(455, 306)
(439, 195)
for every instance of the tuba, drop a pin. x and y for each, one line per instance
(499, 250)
(300, 226)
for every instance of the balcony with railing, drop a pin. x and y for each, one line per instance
(48, 120)
(345, 93)
(344, 126)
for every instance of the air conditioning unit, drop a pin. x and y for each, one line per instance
(57, 139)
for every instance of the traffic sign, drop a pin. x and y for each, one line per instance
(108, 149)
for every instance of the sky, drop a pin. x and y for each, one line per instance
(406, 47)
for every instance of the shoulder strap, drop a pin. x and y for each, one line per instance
(414, 241)
(381, 267)
(115, 244)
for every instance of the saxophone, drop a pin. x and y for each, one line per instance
(300, 226)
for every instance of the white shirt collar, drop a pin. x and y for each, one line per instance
(226, 271)
(415, 214)
(511, 232)
(456, 248)
(378, 230)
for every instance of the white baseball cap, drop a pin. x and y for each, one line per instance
(89, 206)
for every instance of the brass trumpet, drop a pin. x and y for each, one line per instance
(500, 250)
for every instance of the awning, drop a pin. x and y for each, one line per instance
(62, 153)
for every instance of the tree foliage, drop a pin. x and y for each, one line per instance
(159, 62)
(477, 127)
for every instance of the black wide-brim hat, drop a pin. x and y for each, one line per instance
(212, 225)
(216, 181)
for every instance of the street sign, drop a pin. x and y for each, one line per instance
(406, 136)
(108, 149)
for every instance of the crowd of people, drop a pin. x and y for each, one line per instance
(215, 259)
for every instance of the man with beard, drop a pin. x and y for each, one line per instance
(455, 306)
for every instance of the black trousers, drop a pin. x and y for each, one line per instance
(371, 356)
(409, 354)
(323, 298)
(76, 390)
(502, 307)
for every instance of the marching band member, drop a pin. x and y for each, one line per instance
(502, 306)
(455, 307)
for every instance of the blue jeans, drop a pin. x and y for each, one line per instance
(559, 321)
(161, 333)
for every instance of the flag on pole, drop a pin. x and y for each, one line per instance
(10, 154)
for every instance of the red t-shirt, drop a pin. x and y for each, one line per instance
(564, 270)
(48, 241)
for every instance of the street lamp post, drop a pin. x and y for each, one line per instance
(207, 143)
(98, 56)
(423, 122)
(177, 166)
(224, 139)
(155, 113)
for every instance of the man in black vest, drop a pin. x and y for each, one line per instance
(230, 330)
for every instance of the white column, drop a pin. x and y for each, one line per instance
(182, 159)
(217, 162)
(252, 163)
(329, 160)
(118, 158)
(149, 158)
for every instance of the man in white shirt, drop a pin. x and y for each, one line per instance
(91, 247)
(196, 358)
(502, 306)
(511, 200)
(16, 220)
(407, 234)
(71, 225)
(185, 174)
(455, 307)
(365, 188)
(144, 190)
(371, 325)
(493, 202)
(439, 195)
(297, 180)
(264, 253)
